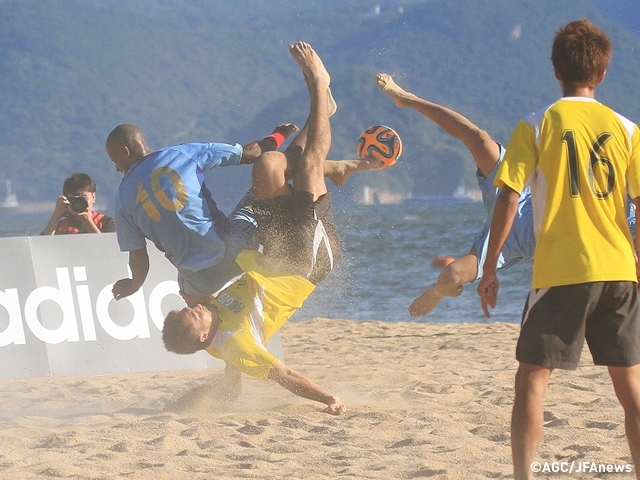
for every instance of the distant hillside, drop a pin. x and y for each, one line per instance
(625, 12)
(219, 71)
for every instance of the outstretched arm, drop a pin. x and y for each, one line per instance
(253, 150)
(304, 387)
(139, 265)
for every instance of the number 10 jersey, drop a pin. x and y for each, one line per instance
(164, 198)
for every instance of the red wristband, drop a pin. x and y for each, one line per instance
(277, 138)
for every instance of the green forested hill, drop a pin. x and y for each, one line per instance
(219, 71)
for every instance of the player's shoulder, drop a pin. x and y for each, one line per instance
(629, 126)
(534, 119)
(167, 154)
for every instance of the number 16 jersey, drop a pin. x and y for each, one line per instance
(582, 162)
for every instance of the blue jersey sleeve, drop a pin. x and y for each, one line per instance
(129, 236)
(210, 155)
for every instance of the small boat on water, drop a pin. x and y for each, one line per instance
(10, 199)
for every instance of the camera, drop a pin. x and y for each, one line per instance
(78, 203)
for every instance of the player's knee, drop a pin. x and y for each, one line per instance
(626, 384)
(269, 169)
(453, 275)
(270, 162)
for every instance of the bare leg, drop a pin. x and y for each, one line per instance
(299, 143)
(309, 172)
(331, 103)
(270, 173)
(269, 176)
(339, 171)
(484, 149)
(486, 154)
(626, 383)
(450, 284)
(527, 417)
(308, 150)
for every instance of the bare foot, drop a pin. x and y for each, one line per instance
(335, 407)
(333, 106)
(430, 298)
(310, 63)
(339, 171)
(391, 88)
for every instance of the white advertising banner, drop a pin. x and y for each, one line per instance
(58, 316)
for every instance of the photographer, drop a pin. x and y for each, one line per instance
(74, 209)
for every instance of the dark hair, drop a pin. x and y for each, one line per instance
(78, 181)
(581, 53)
(180, 337)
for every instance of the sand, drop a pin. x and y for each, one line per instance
(425, 401)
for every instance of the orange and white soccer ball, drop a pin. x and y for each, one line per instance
(380, 142)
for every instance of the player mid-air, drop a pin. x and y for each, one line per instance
(488, 155)
(299, 248)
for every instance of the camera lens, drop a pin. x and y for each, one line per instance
(78, 203)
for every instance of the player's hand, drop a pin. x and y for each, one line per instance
(62, 206)
(286, 129)
(488, 291)
(85, 217)
(336, 407)
(123, 288)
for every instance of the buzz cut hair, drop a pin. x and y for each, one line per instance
(180, 337)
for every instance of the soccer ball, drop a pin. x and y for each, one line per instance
(380, 142)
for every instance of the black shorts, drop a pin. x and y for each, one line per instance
(298, 235)
(238, 232)
(557, 320)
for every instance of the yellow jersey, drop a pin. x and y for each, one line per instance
(582, 162)
(252, 310)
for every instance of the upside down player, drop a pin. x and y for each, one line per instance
(300, 247)
(163, 198)
(487, 154)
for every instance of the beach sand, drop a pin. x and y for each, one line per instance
(425, 401)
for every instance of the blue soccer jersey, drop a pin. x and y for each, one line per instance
(521, 242)
(163, 198)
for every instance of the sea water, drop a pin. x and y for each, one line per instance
(388, 250)
(387, 255)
